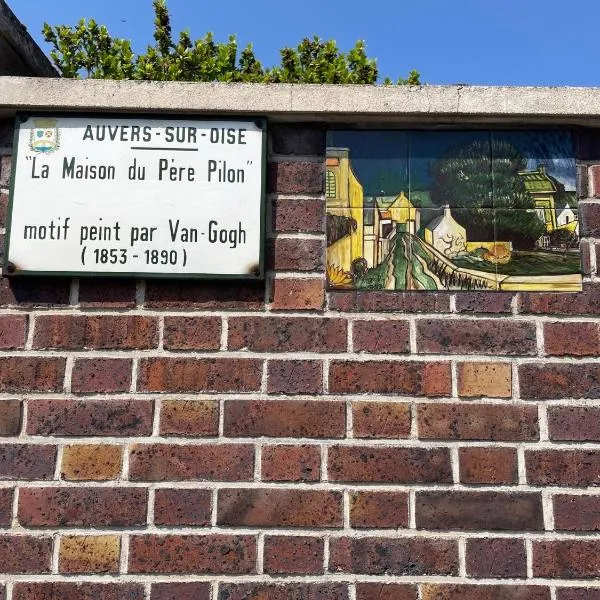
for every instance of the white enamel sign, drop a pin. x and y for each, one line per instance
(126, 196)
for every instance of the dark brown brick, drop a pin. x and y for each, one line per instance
(589, 213)
(390, 377)
(375, 464)
(13, 331)
(482, 336)
(401, 302)
(297, 139)
(34, 292)
(499, 422)
(484, 302)
(296, 254)
(389, 337)
(298, 214)
(6, 499)
(192, 333)
(213, 462)
(574, 423)
(578, 593)
(6, 133)
(181, 507)
(10, 417)
(81, 507)
(378, 509)
(297, 294)
(580, 468)
(488, 465)
(185, 554)
(181, 591)
(69, 332)
(472, 511)
(27, 461)
(448, 591)
(287, 334)
(572, 339)
(293, 555)
(25, 554)
(117, 418)
(3, 209)
(31, 374)
(540, 381)
(283, 591)
(79, 591)
(576, 513)
(291, 463)
(586, 252)
(199, 375)
(296, 177)
(586, 302)
(284, 418)
(496, 558)
(387, 420)
(394, 556)
(101, 375)
(295, 377)
(566, 559)
(279, 508)
(386, 591)
(192, 418)
(107, 293)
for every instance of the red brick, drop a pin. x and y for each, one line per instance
(181, 591)
(378, 509)
(293, 555)
(580, 468)
(484, 302)
(82, 507)
(291, 463)
(101, 375)
(25, 554)
(566, 559)
(27, 461)
(398, 302)
(559, 380)
(34, 292)
(295, 138)
(386, 591)
(578, 593)
(283, 591)
(376, 464)
(202, 295)
(572, 339)
(13, 331)
(389, 337)
(6, 500)
(185, 554)
(496, 558)
(78, 591)
(458, 591)
(394, 556)
(182, 507)
(499, 422)
(10, 417)
(119, 418)
(390, 377)
(192, 333)
(213, 462)
(31, 374)
(296, 254)
(387, 420)
(576, 513)
(488, 465)
(296, 177)
(107, 293)
(279, 508)
(3, 209)
(589, 214)
(298, 294)
(287, 334)
(298, 214)
(586, 302)
(199, 375)
(574, 423)
(472, 511)
(586, 249)
(69, 332)
(482, 336)
(284, 418)
(294, 377)
(193, 418)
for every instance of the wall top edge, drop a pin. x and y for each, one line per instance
(452, 104)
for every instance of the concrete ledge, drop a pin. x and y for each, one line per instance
(388, 106)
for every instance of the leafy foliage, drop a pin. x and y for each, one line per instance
(87, 49)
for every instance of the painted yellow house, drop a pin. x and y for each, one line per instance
(402, 212)
(544, 191)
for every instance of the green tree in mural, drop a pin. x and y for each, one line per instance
(88, 50)
(464, 177)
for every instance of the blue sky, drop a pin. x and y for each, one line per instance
(479, 42)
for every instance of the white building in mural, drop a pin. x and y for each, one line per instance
(446, 235)
(567, 216)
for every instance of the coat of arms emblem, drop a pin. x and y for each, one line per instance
(45, 136)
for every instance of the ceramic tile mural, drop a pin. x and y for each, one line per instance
(452, 210)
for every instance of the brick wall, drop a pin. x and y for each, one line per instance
(172, 440)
